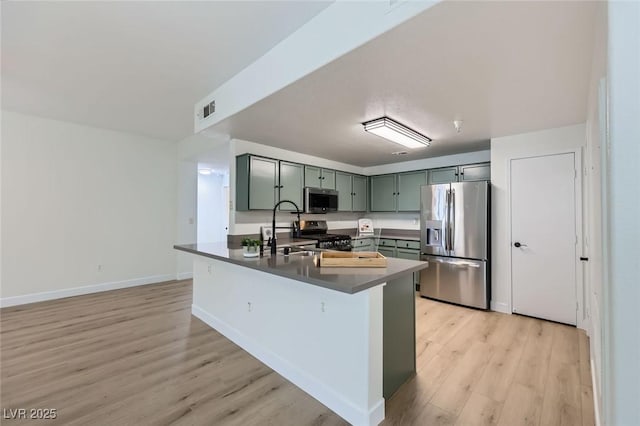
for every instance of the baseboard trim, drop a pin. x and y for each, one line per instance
(500, 307)
(79, 291)
(596, 395)
(298, 377)
(184, 276)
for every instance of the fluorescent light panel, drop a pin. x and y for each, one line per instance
(396, 132)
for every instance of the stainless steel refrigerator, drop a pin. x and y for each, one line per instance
(454, 239)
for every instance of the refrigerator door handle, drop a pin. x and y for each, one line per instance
(446, 224)
(452, 223)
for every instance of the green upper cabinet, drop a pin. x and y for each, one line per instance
(345, 191)
(312, 176)
(291, 184)
(443, 175)
(469, 172)
(352, 192)
(359, 194)
(261, 182)
(328, 179)
(409, 190)
(473, 172)
(260, 175)
(316, 177)
(383, 193)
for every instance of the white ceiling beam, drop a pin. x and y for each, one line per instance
(338, 29)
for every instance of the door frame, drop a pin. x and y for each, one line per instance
(581, 321)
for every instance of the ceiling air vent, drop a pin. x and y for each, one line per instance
(209, 109)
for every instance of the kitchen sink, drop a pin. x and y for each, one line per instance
(293, 251)
(302, 253)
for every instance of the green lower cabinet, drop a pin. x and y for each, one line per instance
(387, 251)
(362, 244)
(398, 334)
(410, 254)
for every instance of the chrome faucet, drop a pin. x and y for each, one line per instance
(273, 223)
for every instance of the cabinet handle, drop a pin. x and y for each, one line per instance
(276, 187)
(281, 186)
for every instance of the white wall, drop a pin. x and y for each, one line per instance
(504, 149)
(187, 191)
(83, 207)
(622, 292)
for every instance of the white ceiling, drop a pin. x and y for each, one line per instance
(134, 66)
(503, 67)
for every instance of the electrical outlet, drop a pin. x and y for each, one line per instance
(209, 269)
(322, 307)
(249, 307)
(99, 268)
(191, 221)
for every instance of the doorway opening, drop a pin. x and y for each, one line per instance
(213, 204)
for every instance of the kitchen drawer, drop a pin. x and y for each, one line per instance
(385, 242)
(408, 254)
(409, 244)
(387, 251)
(361, 242)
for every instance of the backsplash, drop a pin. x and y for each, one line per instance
(251, 221)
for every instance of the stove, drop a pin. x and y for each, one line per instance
(317, 230)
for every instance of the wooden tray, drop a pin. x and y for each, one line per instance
(347, 259)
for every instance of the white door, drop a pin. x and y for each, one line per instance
(543, 237)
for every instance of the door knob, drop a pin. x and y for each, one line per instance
(517, 244)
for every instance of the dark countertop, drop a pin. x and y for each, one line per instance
(303, 268)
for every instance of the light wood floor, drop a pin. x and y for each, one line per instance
(136, 356)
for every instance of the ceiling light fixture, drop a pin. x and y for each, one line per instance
(457, 124)
(396, 132)
(205, 172)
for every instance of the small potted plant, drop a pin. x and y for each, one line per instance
(250, 247)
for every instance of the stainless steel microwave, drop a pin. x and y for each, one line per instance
(319, 200)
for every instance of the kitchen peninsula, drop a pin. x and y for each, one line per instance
(346, 336)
